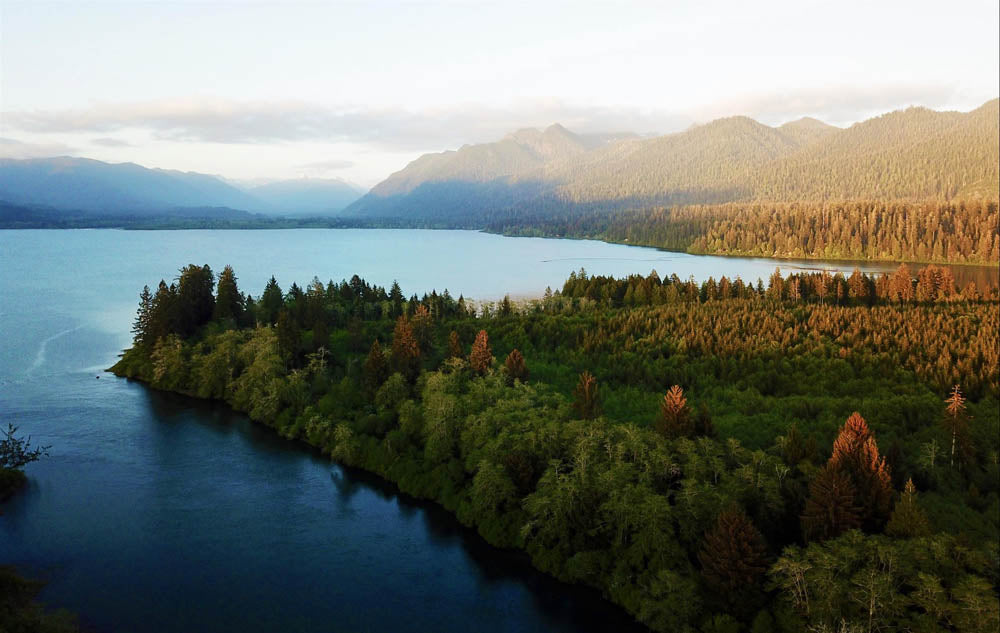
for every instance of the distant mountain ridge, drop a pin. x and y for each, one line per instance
(915, 153)
(127, 189)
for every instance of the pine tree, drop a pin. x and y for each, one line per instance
(856, 454)
(195, 298)
(956, 423)
(585, 398)
(675, 417)
(228, 300)
(405, 350)
(422, 327)
(141, 325)
(831, 508)
(271, 302)
(454, 346)
(481, 357)
(908, 520)
(733, 554)
(516, 367)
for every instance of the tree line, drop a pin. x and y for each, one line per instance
(957, 231)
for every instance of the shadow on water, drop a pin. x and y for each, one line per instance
(575, 607)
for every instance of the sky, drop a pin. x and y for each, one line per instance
(259, 91)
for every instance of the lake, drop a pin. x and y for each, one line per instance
(154, 512)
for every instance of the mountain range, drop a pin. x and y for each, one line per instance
(909, 154)
(97, 188)
(915, 153)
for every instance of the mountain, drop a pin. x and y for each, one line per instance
(82, 184)
(476, 174)
(305, 197)
(909, 154)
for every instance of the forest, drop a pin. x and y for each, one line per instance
(942, 232)
(809, 453)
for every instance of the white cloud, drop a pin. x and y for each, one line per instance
(14, 148)
(225, 121)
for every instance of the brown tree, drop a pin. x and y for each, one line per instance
(585, 399)
(733, 555)
(454, 346)
(856, 454)
(831, 508)
(481, 356)
(405, 350)
(675, 416)
(422, 327)
(516, 367)
(956, 423)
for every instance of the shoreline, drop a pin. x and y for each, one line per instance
(515, 555)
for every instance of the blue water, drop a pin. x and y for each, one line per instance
(158, 513)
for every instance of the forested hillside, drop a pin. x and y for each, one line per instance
(914, 154)
(815, 453)
(928, 231)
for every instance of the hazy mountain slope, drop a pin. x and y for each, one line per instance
(913, 153)
(305, 196)
(477, 175)
(806, 130)
(88, 185)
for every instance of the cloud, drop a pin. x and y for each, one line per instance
(328, 165)
(833, 104)
(13, 148)
(403, 130)
(218, 121)
(111, 142)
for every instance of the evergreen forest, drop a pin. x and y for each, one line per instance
(812, 452)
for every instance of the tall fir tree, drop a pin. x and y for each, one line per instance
(956, 424)
(481, 356)
(675, 416)
(228, 300)
(141, 324)
(856, 454)
(733, 555)
(586, 401)
(831, 508)
(405, 350)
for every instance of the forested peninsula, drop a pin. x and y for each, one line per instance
(813, 452)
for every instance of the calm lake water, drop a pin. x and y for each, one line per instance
(159, 513)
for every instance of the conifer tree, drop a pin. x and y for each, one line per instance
(271, 302)
(228, 300)
(956, 423)
(516, 367)
(856, 454)
(586, 402)
(675, 417)
(908, 520)
(481, 356)
(141, 324)
(454, 346)
(831, 508)
(421, 325)
(733, 554)
(405, 350)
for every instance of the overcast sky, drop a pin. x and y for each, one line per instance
(357, 90)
